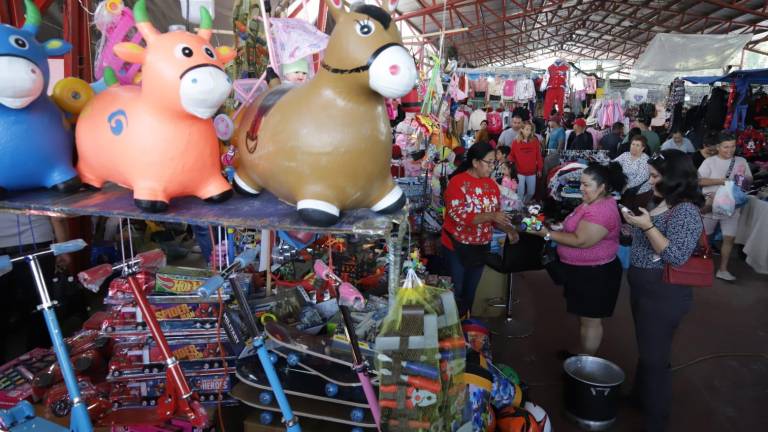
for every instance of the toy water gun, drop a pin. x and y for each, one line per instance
(115, 21)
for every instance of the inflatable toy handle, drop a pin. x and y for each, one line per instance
(68, 246)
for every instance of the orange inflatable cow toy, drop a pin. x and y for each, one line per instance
(159, 139)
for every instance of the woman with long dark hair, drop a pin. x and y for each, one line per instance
(472, 209)
(668, 234)
(587, 248)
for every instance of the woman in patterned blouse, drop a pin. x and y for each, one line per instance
(666, 235)
(472, 209)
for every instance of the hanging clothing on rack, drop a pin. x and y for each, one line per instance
(590, 83)
(555, 82)
(524, 90)
(508, 92)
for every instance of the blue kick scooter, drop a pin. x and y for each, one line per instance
(257, 338)
(22, 416)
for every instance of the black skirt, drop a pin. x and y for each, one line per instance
(591, 291)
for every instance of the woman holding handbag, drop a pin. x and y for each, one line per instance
(664, 241)
(714, 173)
(472, 210)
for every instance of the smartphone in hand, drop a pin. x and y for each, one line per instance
(626, 210)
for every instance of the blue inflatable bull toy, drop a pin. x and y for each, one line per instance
(35, 140)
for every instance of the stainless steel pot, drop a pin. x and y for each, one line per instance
(591, 391)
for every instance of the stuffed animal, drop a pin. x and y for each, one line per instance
(325, 146)
(36, 140)
(159, 139)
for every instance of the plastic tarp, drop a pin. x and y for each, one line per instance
(668, 56)
(751, 76)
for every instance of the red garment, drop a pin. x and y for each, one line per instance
(495, 125)
(527, 157)
(466, 197)
(558, 75)
(554, 96)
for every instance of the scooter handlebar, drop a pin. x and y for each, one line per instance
(92, 278)
(247, 257)
(5, 264)
(68, 246)
(210, 286)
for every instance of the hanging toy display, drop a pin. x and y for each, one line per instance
(36, 142)
(159, 139)
(326, 145)
(116, 23)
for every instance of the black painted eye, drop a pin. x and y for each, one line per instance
(184, 51)
(19, 42)
(209, 52)
(365, 28)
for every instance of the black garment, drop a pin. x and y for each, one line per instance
(716, 110)
(591, 291)
(657, 309)
(583, 141)
(521, 112)
(697, 159)
(611, 143)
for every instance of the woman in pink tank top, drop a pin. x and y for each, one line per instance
(587, 246)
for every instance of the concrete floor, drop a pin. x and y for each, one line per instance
(722, 394)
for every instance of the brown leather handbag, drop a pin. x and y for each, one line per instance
(698, 271)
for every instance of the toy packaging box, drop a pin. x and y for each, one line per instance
(180, 280)
(16, 376)
(143, 357)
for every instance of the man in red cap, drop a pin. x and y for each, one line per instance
(580, 139)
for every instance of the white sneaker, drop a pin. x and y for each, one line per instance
(725, 275)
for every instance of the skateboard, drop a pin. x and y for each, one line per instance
(304, 406)
(301, 382)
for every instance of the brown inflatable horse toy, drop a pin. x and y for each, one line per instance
(326, 145)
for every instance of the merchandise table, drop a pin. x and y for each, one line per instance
(753, 233)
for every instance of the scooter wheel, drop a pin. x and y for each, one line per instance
(265, 398)
(357, 415)
(293, 359)
(331, 390)
(273, 358)
(266, 417)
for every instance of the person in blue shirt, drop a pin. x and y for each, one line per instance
(556, 135)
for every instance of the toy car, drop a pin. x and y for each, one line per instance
(96, 397)
(145, 358)
(534, 221)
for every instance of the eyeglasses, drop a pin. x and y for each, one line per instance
(657, 156)
(493, 162)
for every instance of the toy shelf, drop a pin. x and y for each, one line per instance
(263, 212)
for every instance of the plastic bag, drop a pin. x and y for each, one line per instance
(724, 203)
(422, 348)
(739, 196)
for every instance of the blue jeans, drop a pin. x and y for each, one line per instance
(526, 187)
(203, 238)
(465, 280)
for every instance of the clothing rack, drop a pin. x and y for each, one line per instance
(572, 155)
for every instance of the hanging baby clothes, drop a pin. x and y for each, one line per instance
(495, 88)
(590, 83)
(508, 92)
(555, 82)
(480, 87)
(524, 90)
(477, 117)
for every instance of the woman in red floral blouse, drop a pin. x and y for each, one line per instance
(472, 204)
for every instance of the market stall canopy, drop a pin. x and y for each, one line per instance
(671, 55)
(752, 76)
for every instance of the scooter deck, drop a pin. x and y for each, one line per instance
(305, 406)
(301, 383)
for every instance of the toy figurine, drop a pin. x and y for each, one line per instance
(159, 139)
(534, 220)
(36, 141)
(326, 145)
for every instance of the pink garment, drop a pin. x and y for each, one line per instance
(596, 135)
(605, 213)
(509, 89)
